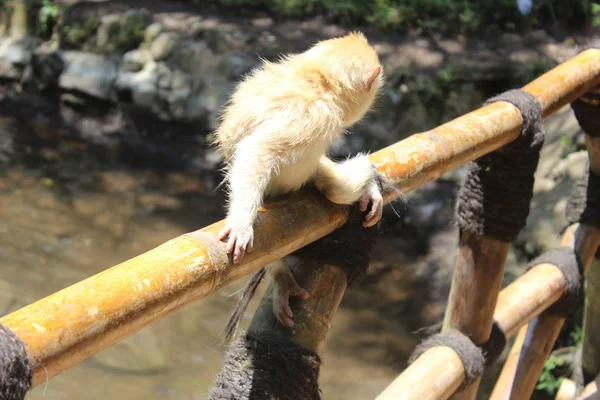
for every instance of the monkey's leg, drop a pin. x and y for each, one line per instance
(250, 173)
(284, 287)
(352, 180)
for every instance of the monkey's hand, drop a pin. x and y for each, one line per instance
(241, 238)
(372, 195)
(285, 286)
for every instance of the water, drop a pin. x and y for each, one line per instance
(67, 213)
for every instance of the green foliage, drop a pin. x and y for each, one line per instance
(549, 381)
(445, 16)
(595, 14)
(75, 33)
(129, 33)
(576, 335)
(47, 17)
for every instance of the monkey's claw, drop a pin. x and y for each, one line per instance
(371, 196)
(241, 239)
(284, 287)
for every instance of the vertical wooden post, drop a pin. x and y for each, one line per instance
(507, 375)
(591, 316)
(518, 379)
(591, 323)
(253, 366)
(592, 390)
(475, 286)
(567, 390)
(313, 316)
(487, 226)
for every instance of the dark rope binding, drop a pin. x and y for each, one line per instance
(349, 248)
(584, 202)
(471, 356)
(587, 111)
(492, 348)
(261, 367)
(569, 263)
(494, 200)
(15, 369)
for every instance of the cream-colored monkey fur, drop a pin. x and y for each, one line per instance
(278, 126)
(282, 119)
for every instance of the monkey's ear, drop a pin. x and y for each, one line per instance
(371, 79)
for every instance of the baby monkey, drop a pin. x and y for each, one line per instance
(275, 133)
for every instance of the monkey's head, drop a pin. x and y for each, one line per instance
(355, 66)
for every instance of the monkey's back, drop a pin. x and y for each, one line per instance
(285, 91)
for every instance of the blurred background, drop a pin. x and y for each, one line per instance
(104, 111)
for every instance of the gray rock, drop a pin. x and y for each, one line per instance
(164, 76)
(239, 64)
(134, 60)
(164, 45)
(152, 31)
(194, 28)
(198, 60)
(141, 85)
(108, 25)
(15, 56)
(88, 73)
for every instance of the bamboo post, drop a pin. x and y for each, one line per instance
(518, 378)
(568, 390)
(591, 315)
(436, 374)
(320, 270)
(592, 390)
(591, 323)
(475, 286)
(517, 303)
(70, 326)
(484, 237)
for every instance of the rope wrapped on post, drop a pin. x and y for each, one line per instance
(570, 264)
(267, 367)
(15, 368)
(492, 207)
(471, 355)
(586, 109)
(491, 349)
(272, 361)
(495, 197)
(584, 203)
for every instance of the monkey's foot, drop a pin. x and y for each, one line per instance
(241, 238)
(371, 196)
(285, 286)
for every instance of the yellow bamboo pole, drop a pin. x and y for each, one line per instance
(592, 390)
(519, 302)
(436, 374)
(69, 326)
(591, 322)
(591, 313)
(518, 378)
(568, 390)
(526, 360)
(475, 287)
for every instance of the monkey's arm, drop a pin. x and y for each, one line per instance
(349, 181)
(249, 175)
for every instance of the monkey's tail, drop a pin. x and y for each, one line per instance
(239, 310)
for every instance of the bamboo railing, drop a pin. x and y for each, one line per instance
(75, 323)
(527, 357)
